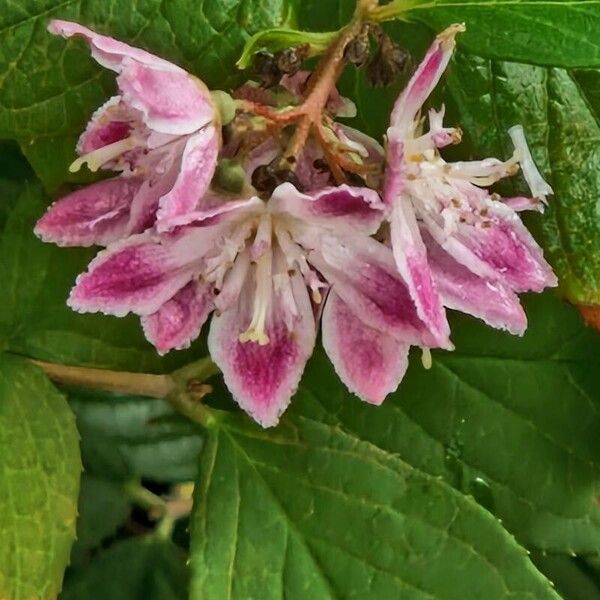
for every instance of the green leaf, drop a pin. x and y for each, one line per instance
(563, 129)
(123, 437)
(544, 32)
(572, 577)
(274, 40)
(511, 421)
(311, 510)
(39, 482)
(144, 568)
(103, 507)
(34, 318)
(49, 88)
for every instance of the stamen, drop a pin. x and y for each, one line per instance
(426, 358)
(538, 186)
(96, 158)
(262, 296)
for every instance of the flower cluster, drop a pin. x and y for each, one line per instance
(275, 232)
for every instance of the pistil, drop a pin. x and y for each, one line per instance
(96, 158)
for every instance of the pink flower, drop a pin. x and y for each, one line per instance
(161, 132)
(263, 268)
(455, 243)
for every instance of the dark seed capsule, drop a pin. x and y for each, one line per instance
(264, 66)
(290, 60)
(358, 50)
(387, 63)
(321, 165)
(263, 179)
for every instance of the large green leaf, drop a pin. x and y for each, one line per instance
(544, 32)
(561, 123)
(49, 87)
(39, 482)
(513, 422)
(573, 578)
(311, 510)
(146, 568)
(34, 318)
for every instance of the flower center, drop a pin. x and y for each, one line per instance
(262, 299)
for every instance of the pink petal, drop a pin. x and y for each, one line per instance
(197, 168)
(262, 379)
(309, 176)
(106, 50)
(170, 101)
(394, 182)
(461, 290)
(137, 275)
(339, 207)
(96, 214)
(371, 363)
(179, 320)
(374, 150)
(217, 209)
(411, 259)
(109, 124)
(363, 273)
(424, 80)
(507, 248)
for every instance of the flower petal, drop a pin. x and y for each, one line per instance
(501, 249)
(371, 363)
(394, 182)
(106, 50)
(411, 259)
(424, 80)
(95, 214)
(179, 320)
(197, 168)
(341, 206)
(171, 102)
(137, 275)
(538, 186)
(262, 379)
(363, 273)
(494, 303)
(109, 124)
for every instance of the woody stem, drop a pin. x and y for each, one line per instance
(310, 113)
(183, 388)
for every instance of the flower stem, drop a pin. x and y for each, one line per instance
(124, 382)
(183, 389)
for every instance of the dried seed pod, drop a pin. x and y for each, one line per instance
(358, 50)
(263, 179)
(290, 60)
(266, 178)
(264, 66)
(388, 62)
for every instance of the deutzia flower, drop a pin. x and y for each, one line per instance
(264, 267)
(455, 243)
(162, 133)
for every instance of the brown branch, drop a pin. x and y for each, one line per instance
(142, 384)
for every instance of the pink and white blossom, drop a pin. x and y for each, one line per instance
(161, 133)
(455, 243)
(264, 268)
